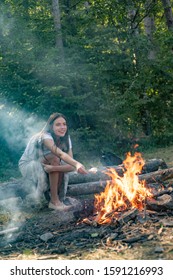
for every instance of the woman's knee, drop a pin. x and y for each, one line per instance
(52, 160)
(55, 161)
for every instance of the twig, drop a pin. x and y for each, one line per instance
(8, 230)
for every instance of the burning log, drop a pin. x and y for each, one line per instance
(154, 165)
(127, 216)
(158, 176)
(98, 186)
(124, 191)
(150, 166)
(166, 191)
(99, 174)
(163, 202)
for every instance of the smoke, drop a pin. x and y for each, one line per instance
(17, 126)
(6, 22)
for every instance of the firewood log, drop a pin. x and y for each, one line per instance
(84, 184)
(158, 176)
(76, 178)
(150, 166)
(86, 188)
(98, 186)
(163, 202)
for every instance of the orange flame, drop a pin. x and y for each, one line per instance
(122, 192)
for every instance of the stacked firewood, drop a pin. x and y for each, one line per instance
(155, 172)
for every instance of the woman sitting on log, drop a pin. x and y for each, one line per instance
(50, 151)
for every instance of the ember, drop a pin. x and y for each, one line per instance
(122, 192)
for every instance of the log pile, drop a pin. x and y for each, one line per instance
(157, 180)
(94, 183)
(154, 171)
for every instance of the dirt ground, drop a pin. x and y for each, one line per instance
(148, 238)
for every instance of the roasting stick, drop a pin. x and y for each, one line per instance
(145, 207)
(5, 231)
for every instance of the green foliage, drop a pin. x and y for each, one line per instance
(8, 162)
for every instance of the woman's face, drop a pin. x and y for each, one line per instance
(60, 127)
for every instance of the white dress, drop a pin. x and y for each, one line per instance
(35, 178)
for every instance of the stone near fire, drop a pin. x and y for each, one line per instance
(46, 236)
(167, 222)
(159, 250)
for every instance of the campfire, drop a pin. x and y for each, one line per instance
(121, 192)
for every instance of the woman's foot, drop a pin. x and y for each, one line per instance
(60, 206)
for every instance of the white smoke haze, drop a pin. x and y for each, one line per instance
(16, 211)
(6, 22)
(11, 211)
(17, 127)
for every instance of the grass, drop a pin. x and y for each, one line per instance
(162, 153)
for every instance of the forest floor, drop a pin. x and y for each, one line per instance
(94, 243)
(151, 238)
(164, 153)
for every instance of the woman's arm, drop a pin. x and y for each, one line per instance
(61, 167)
(67, 167)
(49, 143)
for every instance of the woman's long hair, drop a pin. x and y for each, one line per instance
(64, 141)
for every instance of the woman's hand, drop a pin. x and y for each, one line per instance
(48, 168)
(81, 169)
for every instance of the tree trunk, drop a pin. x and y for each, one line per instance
(26, 6)
(58, 30)
(168, 14)
(149, 29)
(144, 113)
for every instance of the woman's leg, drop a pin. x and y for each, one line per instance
(55, 179)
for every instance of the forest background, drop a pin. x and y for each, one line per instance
(106, 65)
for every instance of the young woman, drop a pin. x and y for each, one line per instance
(50, 151)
